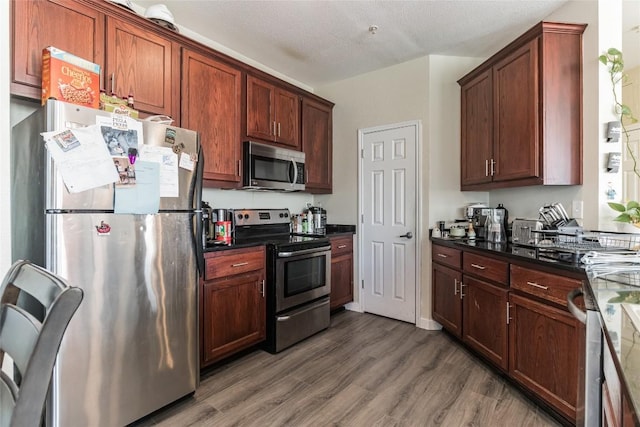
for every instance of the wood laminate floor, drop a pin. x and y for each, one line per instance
(365, 370)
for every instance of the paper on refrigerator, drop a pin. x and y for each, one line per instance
(81, 157)
(168, 160)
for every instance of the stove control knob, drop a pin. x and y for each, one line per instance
(246, 216)
(239, 216)
(281, 215)
(286, 215)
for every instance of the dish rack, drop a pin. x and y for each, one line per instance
(586, 241)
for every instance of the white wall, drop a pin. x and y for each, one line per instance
(391, 95)
(5, 137)
(424, 89)
(240, 199)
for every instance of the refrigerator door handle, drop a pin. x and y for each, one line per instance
(199, 237)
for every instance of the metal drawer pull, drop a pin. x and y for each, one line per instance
(342, 246)
(442, 256)
(240, 264)
(479, 267)
(537, 286)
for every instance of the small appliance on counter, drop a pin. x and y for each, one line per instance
(490, 223)
(524, 232)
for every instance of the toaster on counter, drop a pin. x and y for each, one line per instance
(522, 232)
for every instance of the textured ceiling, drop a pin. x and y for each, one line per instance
(317, 42)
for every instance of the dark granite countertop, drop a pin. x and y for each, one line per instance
(332, 230)
(517, 253)
(617, 296)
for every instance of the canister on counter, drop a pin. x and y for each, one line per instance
(223, 231)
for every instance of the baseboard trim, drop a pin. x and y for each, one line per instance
(428, 324)
(354, 306)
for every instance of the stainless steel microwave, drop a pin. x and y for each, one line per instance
(272, 168)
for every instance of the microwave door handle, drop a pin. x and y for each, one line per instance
(295, 171)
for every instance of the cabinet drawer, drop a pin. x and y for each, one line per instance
(485, 267)
(549, 286)
(235, 261)
(341, 245)
(446, 255)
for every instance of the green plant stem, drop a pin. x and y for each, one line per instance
(620, 111)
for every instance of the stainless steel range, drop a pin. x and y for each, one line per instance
(298, 275)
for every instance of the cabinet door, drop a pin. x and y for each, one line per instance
(476, 132)
(517, 144)
(484, 314)
(544, 348)
(447, 303)
(143, 64)
(260, 109)
(287, 108)
(65, 24)
(341, 271)
(234, 314)
(317, 145)
(211, 105)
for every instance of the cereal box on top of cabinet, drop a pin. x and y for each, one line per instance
(69, 78)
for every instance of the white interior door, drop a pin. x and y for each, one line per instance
(388, 188)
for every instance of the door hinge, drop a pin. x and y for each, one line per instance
(362, 284)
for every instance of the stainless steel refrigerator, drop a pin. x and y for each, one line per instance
(132, 346)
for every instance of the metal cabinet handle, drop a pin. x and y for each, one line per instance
(486, 167)
(239, 167)
(461, 294)
(455, 286)
(537, 285)
(493, 167)
(573, 308)
(113, 82)
(508, 312)
(240, 264)
(342, 246)
(479, 267)
(279, 134)
(262, 290)
(442, 256)
(408, 235)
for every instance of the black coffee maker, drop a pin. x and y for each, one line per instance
(207, 225)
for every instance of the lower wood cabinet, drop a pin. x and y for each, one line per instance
(484, 314)
(545, 344)
(233, 303)
(341, 271)
(514, 316)
(447, 304)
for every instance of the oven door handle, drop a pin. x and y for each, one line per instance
(303, 252)
(573, 308)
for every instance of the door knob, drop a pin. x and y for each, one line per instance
(408, 235)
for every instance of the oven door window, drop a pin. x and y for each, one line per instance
(304, 274)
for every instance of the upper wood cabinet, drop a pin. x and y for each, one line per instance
(521, 112)
(212, 105)
(317, 144)
(65, 24)
(273, 114)
(143, 64)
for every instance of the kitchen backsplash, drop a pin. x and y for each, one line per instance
(243, 199)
